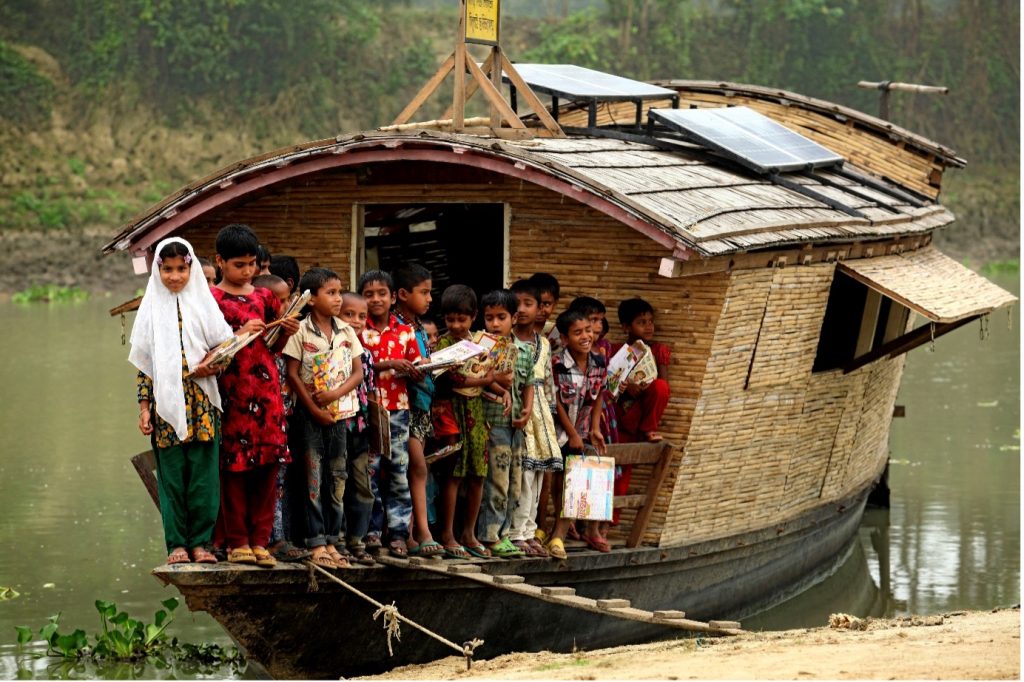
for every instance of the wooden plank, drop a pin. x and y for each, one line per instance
(494, 96)
(558, 591)
(126, 307)
(492, 68)
(509, 579)
(459, 95)
(426, 91)
(636, 453)
(629, 501)
(527, 93)
(907, 342)
(653, 488)
(145, 465)
(670, 614)
(613, 603)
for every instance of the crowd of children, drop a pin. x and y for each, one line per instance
(259, 461)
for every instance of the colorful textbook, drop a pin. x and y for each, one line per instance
(330, 370)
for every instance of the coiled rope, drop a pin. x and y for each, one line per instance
(392, 618)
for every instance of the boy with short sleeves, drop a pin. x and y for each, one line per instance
(395, 351)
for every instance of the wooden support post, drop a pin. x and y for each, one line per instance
(426, 91)
(868, 322)
(531, 97)
(643, 516)
(471, 87)
(459, 96)
(494, 70)
(491, 93)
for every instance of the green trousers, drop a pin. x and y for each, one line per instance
(188, 480)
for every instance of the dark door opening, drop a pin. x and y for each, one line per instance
(458, 243)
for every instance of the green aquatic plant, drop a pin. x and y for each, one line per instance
(50, 293)
(1001, 267)
(128, 640)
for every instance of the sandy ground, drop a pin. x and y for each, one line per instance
(960, 645)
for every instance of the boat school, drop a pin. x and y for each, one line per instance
(785, 246)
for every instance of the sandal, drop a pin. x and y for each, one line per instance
(540, 536)
(286, 551)
(599, 544)
(340, 559)
(572, 533)
(427, 549)
(534, 548)
(263, 558)
(504, 549)
(398, 548)
(241, 555)
(556, 548)
(178, 556)
(322, 558)
(456, 552)
(360, 555)
(201, 555)
(372, 542)
(479, 551)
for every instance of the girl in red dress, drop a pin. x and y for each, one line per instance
(254, 443)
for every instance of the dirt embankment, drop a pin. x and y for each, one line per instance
(959, 645)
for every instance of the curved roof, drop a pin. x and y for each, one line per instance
(682, 197)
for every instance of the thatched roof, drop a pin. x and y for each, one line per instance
(685, 198)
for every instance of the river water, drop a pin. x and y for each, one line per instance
(76, 525)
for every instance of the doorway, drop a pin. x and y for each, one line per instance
(458, 243)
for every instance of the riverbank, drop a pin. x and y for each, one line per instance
(958, 645)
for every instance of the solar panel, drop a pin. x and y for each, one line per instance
(578, 83)
(749, 138)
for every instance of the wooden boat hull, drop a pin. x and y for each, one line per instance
(294, 632)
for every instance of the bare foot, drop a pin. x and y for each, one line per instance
(654, 437)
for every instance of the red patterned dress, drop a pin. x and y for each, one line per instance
(253, 425)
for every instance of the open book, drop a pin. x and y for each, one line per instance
(631, 363)
(294, 309)
(453, 355)
(222, 355)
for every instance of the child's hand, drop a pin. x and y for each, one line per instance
(253, 326)
(520, 422)
(575, 442)
(323, 417)
(506, 401)
(504, 379)
(145, 425)
(290, 326)
(631, 389)
(488, 378)
(597, 440)
(324, 398)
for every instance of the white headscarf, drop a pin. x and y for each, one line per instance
(156, 345)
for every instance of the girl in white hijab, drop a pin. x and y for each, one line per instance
(178, 323)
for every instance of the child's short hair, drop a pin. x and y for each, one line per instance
(408, 275)
(427, 320)
(587, 305)
(314, 278)
(267, 281)
(500, 298)
(546, 283)
(605, 327)
(632, 308)
(172, 250)
(237, 240)
(351, 294)
(567, 319)
(205, 262)
(376, 276)
(527, 288)
(263, 254)
(285, 267)
(458, 299)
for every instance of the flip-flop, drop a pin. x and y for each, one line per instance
(504, 549)
(398, 548)
(361, 556)
(479, 551)
(599, 544)
(289, 552)
(339, 559)
(538, 548)
(556, 548)
(456, 552)
(201, 555)
(263, 557)
(372, 542)
(178, 556)
(427, 549)
(323, 560)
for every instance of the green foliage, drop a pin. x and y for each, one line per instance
(125, 639)
(54, 207)
(27, 96)
(1001, 267)
(49, 293)
(8, 593)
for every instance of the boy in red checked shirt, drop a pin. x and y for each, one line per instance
(395, 352)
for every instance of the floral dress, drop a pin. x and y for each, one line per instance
(468, 414)
(253, 426)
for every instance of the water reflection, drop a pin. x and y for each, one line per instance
(32, 664)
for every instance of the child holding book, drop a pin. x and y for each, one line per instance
(413, 284)
(458, 414)
(254, 441)
(324, 368)
(395, 350)
(542, 452)
(179, 405)
(359, 492)
(579, 384)
(640, 407)
(549, 291)
(281, 546)
(507, 408)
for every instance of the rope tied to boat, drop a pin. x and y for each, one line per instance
(392, 626)
(392, 617)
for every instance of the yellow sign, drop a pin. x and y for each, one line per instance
(482, 19)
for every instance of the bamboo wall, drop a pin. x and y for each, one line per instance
(768, 438)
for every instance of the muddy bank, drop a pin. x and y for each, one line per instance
(958, 645)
